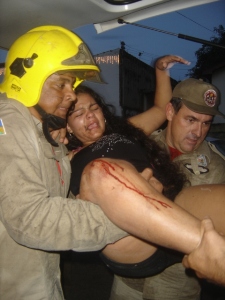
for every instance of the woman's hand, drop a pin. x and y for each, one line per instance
(168, 61)
(153, 118)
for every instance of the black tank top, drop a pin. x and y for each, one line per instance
(109, 146)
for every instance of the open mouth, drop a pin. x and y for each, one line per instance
(93, 125)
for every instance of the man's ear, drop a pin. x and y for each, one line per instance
(169, 111)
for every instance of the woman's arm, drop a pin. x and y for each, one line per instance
(151, 119)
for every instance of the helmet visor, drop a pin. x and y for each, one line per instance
(85, 67)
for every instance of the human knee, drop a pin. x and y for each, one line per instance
(97, 176)
(94, 170)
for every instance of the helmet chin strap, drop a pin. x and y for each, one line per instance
(50, 122)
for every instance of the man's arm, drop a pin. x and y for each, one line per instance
(151, 119)
(32, 207)
(61, 133)
(208, 259)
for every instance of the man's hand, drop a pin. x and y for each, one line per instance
(166, 62)
(208, 259)
(62, 135)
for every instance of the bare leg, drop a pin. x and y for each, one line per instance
(201, 201)
(132, 204)
(205, 201)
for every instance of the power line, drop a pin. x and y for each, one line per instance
(179, 35)
(194, 22)
(147, 57)
(137, 51)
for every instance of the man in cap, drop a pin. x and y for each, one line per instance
(190, 113)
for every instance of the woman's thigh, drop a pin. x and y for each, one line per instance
(205, 201)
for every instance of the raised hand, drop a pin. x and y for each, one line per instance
(166, 62)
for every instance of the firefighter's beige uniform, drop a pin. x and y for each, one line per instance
(36, 218)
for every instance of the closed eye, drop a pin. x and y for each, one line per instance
(94, 106)
(191, 120)
(78, 113)
(61, 86)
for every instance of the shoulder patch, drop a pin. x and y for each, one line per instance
(2, 128)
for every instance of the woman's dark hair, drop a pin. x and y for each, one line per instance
(164, 170)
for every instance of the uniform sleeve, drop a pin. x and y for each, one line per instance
(33, 217)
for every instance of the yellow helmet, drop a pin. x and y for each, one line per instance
(39, 53)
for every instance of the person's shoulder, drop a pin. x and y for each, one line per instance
(9, 105)
(217, 147)
(15, 117)
(159, 136)
(156, 133)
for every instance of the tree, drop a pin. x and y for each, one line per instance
(209, 56)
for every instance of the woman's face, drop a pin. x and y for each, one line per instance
(86, 121)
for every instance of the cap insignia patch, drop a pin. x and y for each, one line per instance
(210, 97)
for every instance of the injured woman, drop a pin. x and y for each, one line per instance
(118, 167)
